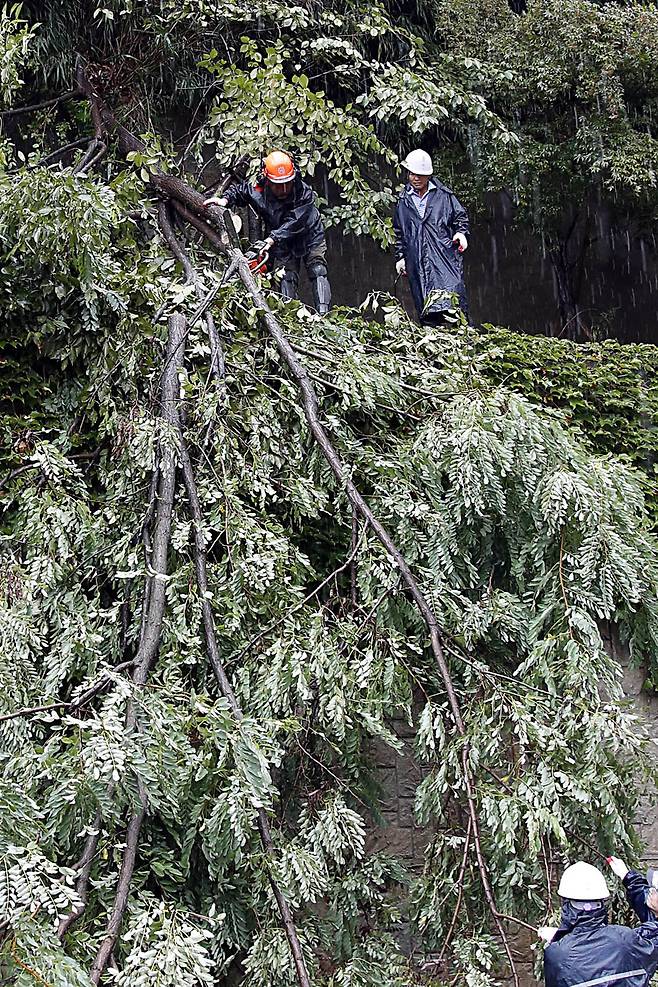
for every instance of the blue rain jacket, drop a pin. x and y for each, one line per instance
(587, 952)
(433, 261)
(294, 222)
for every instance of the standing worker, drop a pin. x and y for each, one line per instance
(431, 229)
(585, 951)
(292, 222)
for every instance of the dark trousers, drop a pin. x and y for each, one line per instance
(316, 268)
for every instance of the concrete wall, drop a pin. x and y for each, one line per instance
(400, 775)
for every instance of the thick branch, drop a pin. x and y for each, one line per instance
(217, 355)
(95, 152)
(83, 865)
(150, 643)
(121, 899)
(342, 471)
(165, 501)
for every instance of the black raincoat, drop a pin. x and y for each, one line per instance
(293, 223)
(432, 260)
(587, 952)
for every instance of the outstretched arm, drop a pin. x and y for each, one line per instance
(637, 890)
(637, 893)
(238, 194)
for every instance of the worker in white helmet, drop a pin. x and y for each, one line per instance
(587, 952)
(431, 234)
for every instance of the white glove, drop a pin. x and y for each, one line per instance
(268, 244)
(216, 201)
(401, 266)
(618, 867)
(461, 241)
(546, 932)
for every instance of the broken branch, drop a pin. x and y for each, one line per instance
(341, 471)
(211, 221)
(152, 630)
(216, 353)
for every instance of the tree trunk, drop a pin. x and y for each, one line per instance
(567, 252)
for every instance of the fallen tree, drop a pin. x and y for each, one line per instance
(209, 804)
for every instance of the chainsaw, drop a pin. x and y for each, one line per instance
(257, 257)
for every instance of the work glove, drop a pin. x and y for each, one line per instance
(215, 200)
(460, 242)
(401, 266)
(618, 867)
(546, 932)
(260, 247)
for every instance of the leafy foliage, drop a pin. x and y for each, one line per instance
(606, 389)
(16, 36)
(522, 537)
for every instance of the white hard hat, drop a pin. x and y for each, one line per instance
(418, 162)
(582, 882)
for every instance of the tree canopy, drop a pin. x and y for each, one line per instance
(240, 540)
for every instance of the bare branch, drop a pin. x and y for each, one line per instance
(33, 107)
(217, 354)
(95, 152)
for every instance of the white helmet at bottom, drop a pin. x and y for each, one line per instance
(418, 162)
(583, 882)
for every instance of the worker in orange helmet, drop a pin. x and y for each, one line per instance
(294, 229)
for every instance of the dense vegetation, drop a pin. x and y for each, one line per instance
(607, 390)
(204, 625)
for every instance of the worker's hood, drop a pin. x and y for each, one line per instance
(574, 918)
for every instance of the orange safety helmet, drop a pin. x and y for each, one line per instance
(278, 167)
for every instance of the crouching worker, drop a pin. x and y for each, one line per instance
(293, 226)
(587, 952)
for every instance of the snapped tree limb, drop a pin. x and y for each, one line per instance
(211, 221)
(150, 643)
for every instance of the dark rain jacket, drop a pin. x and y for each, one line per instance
(587, 952)
(293, 223)
(432, 260)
